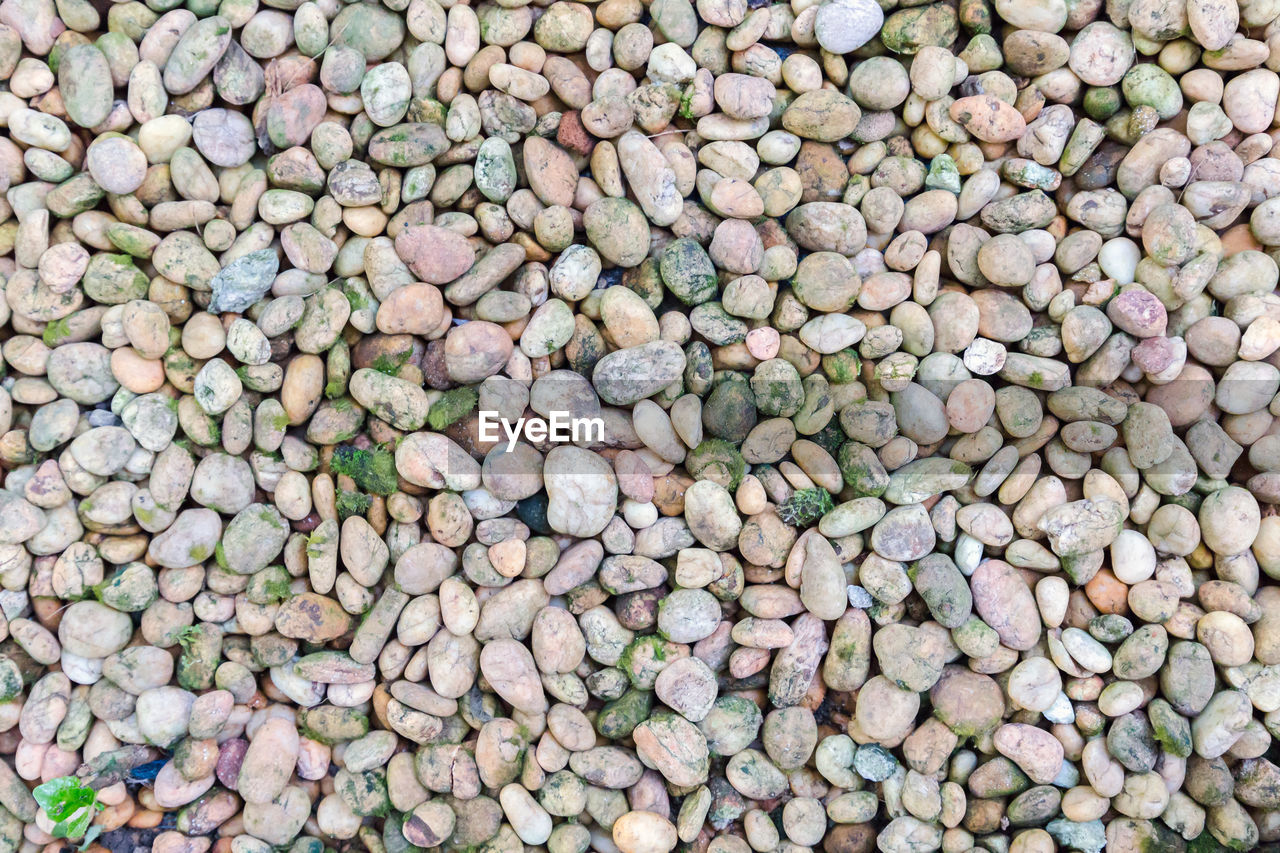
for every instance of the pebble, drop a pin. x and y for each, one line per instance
(843, 26)
(436, 255)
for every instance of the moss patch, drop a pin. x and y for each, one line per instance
(373, 470)
(452, 407)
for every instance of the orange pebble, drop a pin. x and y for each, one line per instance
(146, 819)
(1107, 593)
(1238, 239)
(114, 817)
(139, 375)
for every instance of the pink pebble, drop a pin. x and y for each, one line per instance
(763, 343)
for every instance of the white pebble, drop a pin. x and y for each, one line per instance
(1119, 259)
(1133, 559)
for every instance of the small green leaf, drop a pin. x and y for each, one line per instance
(69, 804)
(58, 797)
(188, 635)
(75, 826)
(93, 833)
(51, 794)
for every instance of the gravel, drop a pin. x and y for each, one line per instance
(931, 360)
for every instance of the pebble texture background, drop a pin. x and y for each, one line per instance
(935, 348)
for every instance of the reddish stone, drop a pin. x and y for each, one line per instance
(573, 136)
